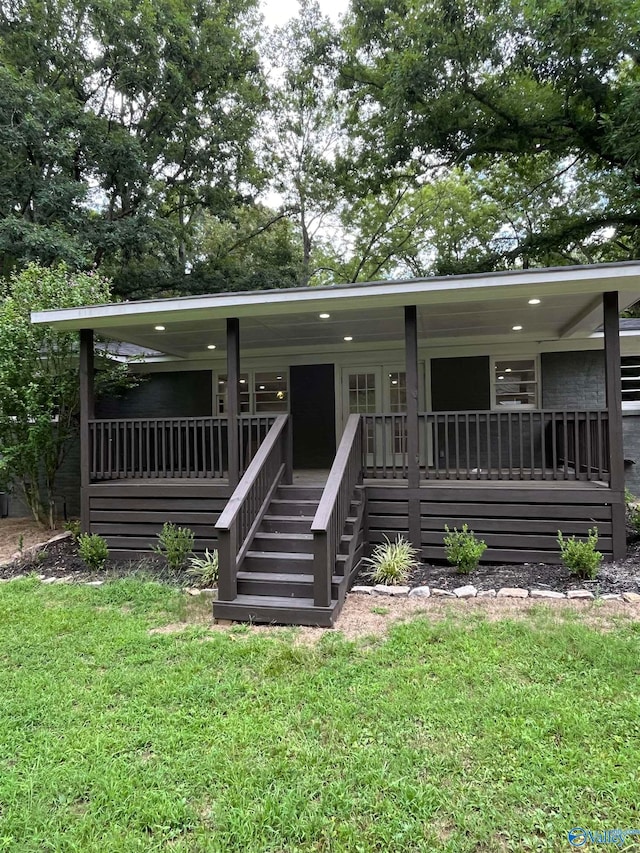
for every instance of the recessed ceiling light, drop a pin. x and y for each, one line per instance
(517, 328)
(159, 328)
(211, 346)
(534, 302)
(348, 338)
(324, 316)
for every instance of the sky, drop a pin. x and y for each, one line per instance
(278, 12)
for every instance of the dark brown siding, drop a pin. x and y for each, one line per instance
(186, 394)
(519, 525)
(460, 384)
(130, 515)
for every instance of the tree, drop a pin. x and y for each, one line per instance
(302, 130)
(497, 86)
(39, 386)
(120, 120)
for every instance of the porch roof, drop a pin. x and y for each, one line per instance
(471, 309)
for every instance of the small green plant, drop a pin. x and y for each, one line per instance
(204, 569)
(93, 550)
(21, 543)
(580, 555)
(175, 544)
(629, 497)
(391, 562)
(380, 611)
(74, 528)
(463, 548)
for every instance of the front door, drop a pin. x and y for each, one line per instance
(313, 415)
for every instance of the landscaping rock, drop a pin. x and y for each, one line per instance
(487, 593)
(209, 590)
(66, 534)
(49, 580)
(513, 592)
(362, 590)
(467, 591)
(631, 597)
(192, 590)
(580, 594)
(545, 593)
(611, 596)
(420, 592)
(442, 593)
(94, 583)
(65, 579)
(396, 591)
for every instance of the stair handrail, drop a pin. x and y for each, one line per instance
(329, 521)
(247, 505)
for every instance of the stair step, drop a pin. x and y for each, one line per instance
(286, 523)
(282, 584)
(313, 493)
(276, 609)
(289, 506)
(301, 543)
(277, 561)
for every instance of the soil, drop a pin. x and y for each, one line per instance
(60, 559)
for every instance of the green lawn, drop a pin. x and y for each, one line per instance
(461, 735)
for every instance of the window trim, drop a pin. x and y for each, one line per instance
(526, 407)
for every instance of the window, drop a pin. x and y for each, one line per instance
(630, 371)
(362, 393)
(260, 393)
(515, 383)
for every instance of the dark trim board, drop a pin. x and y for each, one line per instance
(518, 525)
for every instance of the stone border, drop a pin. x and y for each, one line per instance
(32, 550)
(469, 591)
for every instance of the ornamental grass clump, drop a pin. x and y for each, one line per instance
(463, 548)
(580, 555)
(93, 550)
(175, 544)
(391, 562)
(204, 569)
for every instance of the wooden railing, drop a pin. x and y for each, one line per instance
(333, 509)
(170, 447)
(511, 445)
(246, 507)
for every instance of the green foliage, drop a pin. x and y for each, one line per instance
(463, 548)
(580, 555)
(39, 391)
(629, 497)
(175, 544)
(74, 528)
(544, 95)
(93, 550)
(327, 739)
(204, 569)
(120, 122)
(391, 562)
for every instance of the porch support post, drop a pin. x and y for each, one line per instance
(413, 457)
(614, 407)
(233, 400)
(87, 412)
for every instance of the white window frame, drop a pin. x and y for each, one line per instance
(535, 358)
(251, 381)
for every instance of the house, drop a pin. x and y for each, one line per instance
(293, 429)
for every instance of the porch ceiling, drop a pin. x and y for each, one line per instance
(466, 309)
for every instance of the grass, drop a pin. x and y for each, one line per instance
(452, 736)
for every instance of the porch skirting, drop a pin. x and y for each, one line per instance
(519, 521)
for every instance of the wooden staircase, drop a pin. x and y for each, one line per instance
(275, 581)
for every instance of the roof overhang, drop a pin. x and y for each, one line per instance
(472, 308)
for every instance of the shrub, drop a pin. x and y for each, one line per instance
(204, 569)
(74, 528)
(463, 548)
(391, 562)
(580, 555)
(175, 544)
(93, 550)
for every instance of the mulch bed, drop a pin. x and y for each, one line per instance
(61, 560)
